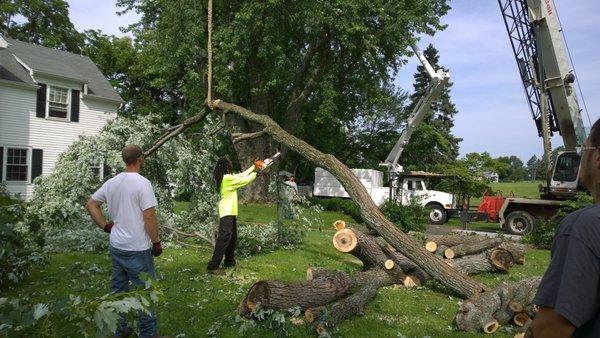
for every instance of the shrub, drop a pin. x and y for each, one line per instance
(180, 167)
(345, 205)
(408, 218)
(542, 234)
(16, 256)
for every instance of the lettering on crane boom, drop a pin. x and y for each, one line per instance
(548, 7)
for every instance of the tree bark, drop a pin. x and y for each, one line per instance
(280, 295)
(471, 248)
(473, 264)
(455, 281)
(448, 240)
(480, 309)
(517, 250)
(352, 305)
(365, 248)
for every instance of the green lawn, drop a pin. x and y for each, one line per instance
(195, 303)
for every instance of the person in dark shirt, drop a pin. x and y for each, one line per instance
(569, 295)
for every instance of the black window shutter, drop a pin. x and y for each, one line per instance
(106, 171)
(1, 162)
(40, 110)
(37, 158)
(74, 105)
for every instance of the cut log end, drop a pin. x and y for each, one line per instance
(411, 282)
(491, 327)
(520, 335)
(431, 246)
(339, 225)
(515, 306)
(321, 330)
(345, 240)
(501, 259)
(449, 253)
(521, 318)
(389, 264)
(312, 314)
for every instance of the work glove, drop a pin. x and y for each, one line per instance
(156, 249)
(108, 227)
(259, 164)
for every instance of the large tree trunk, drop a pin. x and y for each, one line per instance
(455, 281)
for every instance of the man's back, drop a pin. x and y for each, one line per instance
(127, 195)
(570, 285)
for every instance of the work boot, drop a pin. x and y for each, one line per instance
(229, 264)
(216, 272)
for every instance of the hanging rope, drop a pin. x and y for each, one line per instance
(209, 51)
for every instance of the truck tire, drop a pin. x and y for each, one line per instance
(519, 223)
(436, 214)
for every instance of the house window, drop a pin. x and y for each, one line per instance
(58, 102)
(17, 166)
(98, 170)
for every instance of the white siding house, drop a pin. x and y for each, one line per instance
(47, 99)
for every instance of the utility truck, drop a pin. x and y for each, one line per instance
(403, 187)
(547, 75)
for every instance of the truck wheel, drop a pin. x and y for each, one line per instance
(519, 223)
(437, 214)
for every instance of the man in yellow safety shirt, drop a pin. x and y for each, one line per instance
(228, 184)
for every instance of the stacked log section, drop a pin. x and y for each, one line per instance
(365, 248)
(280, 295)
(470, 248)
(498, 305)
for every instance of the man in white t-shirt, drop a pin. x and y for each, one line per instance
(134, 238)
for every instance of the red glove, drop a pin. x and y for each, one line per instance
(108, 226)
(259, 164)
(156, 249)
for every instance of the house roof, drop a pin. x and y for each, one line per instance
(51, 62)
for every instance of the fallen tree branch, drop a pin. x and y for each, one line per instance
(238, 137)
(411, 248)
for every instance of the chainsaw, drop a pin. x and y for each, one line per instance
(268, 162)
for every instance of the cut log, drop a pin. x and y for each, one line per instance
(431, 246)
(515, 306)
(517, 250)
(365, 248)
(491, 327)
(409, 268)
(523, 331)
(350, 306)
(411, 281)
(440, 250)
(472, 264)
(501, 259)
(532, 309)
(313, 313)
(476, 314)
(479, 310)
(449, 240)
(279, 295)
(521, 318)
(339, 224)
(355, 280)
(470, 248)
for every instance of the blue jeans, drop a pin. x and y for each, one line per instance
(126, 267)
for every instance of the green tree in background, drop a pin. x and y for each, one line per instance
(44, 22)
(433, 142)
(297, 62)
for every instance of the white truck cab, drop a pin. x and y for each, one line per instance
(410, 190)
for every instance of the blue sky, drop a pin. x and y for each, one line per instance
(493, 115)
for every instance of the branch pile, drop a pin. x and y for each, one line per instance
(328, 297)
